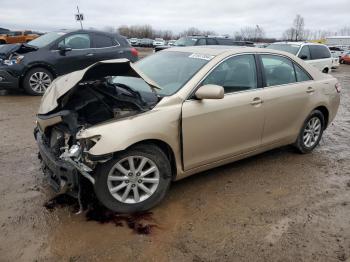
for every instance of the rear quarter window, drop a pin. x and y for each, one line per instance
(319, 52)
(101, 41)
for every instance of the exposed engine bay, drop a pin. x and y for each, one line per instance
(99, 97)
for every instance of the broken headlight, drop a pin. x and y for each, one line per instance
(13, 61)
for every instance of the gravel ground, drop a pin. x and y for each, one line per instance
(277, 206)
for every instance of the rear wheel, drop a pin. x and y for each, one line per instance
(37, 80)
(311, 132)
(325, 71)
(136, 180)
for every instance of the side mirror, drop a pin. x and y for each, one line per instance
(304, 57)
(210, 92)
(63, 49)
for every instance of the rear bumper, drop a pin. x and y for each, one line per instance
(7, 80)
(62, 176)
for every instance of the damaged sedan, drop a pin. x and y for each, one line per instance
(128, 130)
(32, 66)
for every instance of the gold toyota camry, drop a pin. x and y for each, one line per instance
(129, 130)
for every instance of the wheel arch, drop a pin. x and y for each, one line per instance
(324, 110)
(35, 65)
(165, 147)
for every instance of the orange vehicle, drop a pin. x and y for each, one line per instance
(17, 37)
(345, 58)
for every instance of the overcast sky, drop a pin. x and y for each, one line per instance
(221, 16)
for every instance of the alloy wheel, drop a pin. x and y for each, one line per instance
(133, 179)
(312, 132)
(39, 82)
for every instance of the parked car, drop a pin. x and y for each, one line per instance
(336, 51)
(158, 42)
(317, 55)
(171, 42)
(134, 41)
(15, 37)
(33, 66)
(345, 58)
(146, 42)
(131, 129)
(205, 40)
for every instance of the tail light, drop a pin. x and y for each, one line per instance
(338, 87)
(134, 52)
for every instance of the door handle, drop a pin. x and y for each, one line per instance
(310, 90)
(256, 101)
(120, 52)
(90, 54)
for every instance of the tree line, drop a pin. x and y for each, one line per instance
(297, 32)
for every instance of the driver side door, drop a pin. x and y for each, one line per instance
(79, 57)
(215, 130)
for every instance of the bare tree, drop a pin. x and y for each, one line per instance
(298, 26)
(251, 33)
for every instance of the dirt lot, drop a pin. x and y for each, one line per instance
(278, 206)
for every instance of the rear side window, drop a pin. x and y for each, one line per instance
(301, 74)
(319, 52)
(224, 41)
(101, 41)
(278, 70)
(234, 74)
(201, 42)
(211, 41)
(305, 53)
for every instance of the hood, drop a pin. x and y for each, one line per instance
(61, 85)
(6, 50)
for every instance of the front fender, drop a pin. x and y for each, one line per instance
(157, 124)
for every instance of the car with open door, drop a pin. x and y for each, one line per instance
(32, 66)
(130, 130)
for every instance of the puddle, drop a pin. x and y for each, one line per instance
(140, 223)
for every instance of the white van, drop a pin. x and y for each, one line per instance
(315, 54)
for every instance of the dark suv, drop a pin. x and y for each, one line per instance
(34, 65)
(205, 40)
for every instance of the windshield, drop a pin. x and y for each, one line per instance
(46, 39)
(171, 70)
(290, 48)
(186, 41)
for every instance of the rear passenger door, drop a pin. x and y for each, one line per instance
(287, 92)
(105, 47)
(320, 57)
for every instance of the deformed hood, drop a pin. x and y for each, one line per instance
(61, 85)
(6, 50)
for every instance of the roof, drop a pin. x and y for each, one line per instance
(338, 36)
(297, 43)
(216, 50)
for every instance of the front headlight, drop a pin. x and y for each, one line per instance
(13, 61)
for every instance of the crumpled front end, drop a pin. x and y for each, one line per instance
(81, 100)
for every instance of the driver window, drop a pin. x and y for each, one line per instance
(76, 41)
(234, 74)
(305, 53)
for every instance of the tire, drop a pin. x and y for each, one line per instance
(303, 145)
(42, 76)
(2, 42)
(325, 70)
(114, 200)
(341, 61)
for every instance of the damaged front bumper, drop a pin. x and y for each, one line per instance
(63, 172)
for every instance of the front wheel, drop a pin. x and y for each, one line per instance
(311, 132)
(37, 80)
(136, 180)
